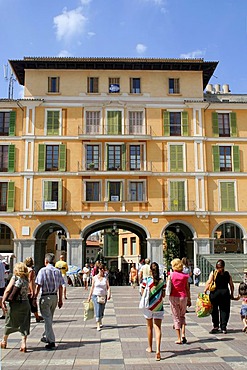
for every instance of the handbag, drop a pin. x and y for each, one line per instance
(101, 299)
(88, 310)
(144, 302)
(212, 285)
(13, 293)
(203, 305)
(168, 286)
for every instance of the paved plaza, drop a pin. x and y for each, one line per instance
(122, 341)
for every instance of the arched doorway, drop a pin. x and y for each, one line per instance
(7, 245)
(113, 231)
(50, 238)
(178, 242)
(228, 238)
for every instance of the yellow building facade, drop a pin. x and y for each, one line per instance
(130, 142)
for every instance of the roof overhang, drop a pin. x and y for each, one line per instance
(134, 64)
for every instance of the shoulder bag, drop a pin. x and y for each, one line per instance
(144, 302)
(212, 285)
(101, 299)
(13, 293)
(169, 285)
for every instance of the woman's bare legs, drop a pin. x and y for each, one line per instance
(150, 334)
(179, 336)
(157, 328)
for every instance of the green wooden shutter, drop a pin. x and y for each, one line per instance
(121, 191)
(108, 191)
(233, 124)
(166, 123)
(60, 196)
(215, 124)
(227, 196)
(11, 197)
(216, 158)
(12, 123)
(185, 124)
(41, 157)
(53, 122)
(181, 196)
(176, 158)
(123, 157)
(107, 156)
(114, 122)
(11, 158)
(236, 158)
(47, 190)
(177, 196)
(62, 157)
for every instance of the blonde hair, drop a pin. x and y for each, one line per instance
(177, 265)
(29, 262)
(20, 269)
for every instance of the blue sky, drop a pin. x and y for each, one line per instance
(215, 30)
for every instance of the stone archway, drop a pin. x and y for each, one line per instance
(228, 238)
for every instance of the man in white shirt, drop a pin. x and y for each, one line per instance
(145, 270)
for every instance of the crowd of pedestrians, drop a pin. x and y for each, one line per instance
(50, 287)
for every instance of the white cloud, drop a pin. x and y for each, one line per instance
(69, 24)
(193, 54)
(141, 48)
(85, 2)
(155, 2)
(64, 54)
(91, 34)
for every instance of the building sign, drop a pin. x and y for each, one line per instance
(114, 88)
(50, 205)
(114, 198)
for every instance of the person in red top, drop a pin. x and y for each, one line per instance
(179, 298)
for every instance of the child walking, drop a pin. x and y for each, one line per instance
(242, 293)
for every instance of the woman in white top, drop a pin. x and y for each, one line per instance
(100, 292)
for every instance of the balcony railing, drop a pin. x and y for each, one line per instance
(177, 206)
(104, 166)
(115, 130)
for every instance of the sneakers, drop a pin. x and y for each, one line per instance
(43, 339)
(214, 331)
(50, 346)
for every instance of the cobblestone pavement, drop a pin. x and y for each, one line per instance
(122, 341)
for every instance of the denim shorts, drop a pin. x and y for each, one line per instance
(243, 311)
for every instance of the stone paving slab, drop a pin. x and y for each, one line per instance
(122, 342)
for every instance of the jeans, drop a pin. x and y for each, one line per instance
(99, 308)
(48, 305)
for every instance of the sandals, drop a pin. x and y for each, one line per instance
(184, 340)
(157, 356)
(3, 344)
(23, 349)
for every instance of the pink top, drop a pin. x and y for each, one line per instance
(179, 283)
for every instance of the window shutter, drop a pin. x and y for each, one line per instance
(47, 190)
(215, 124)
(233, 124)
(60, 196)
(114, 122)
(11, 197)
(11, 158)
(123, 157)
(12, 123)
(185, 124)
(121, 191)
(107, 156)
(181, 196)
(216, 158)
(176, 158)
(166, 122)
(62, 157)
(227, 196)
(53, 122)
(236, 158)
(41, 158)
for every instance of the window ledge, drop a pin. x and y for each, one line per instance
(53, 93)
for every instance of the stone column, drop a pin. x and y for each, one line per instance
(155, 250)
(23, 248)
(201, 246)
(74, 252)
(244, 245)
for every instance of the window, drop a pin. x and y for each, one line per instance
(92, 157)
(52, 157)
(174, 86)
(125, 246)
(135, 157)
(114, 191)
(92, 122)
(114, 85)
(5, 234)
(53, 84)
(116, 157)
(7, 123)
(177, 196)
(226, 158)
(7, 158)
(133, 246)
(176, 158)
(136, 125)
(7, 196)
(227, 196)
(224, 124)
(52, 195)
(114, 122)
(93, 85)
(92, 191)
(136, 191)
(53, 122)
(135, 85)
(175, 123)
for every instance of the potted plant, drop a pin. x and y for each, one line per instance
(91, 166)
